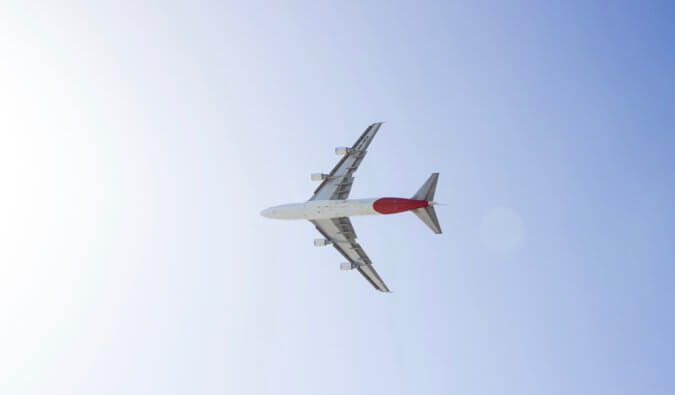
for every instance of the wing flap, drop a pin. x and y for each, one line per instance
(338, 184)
(343, 238)
(373, 278)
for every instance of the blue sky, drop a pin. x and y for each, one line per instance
(139, 143)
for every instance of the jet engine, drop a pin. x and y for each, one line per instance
(347, 266)
(319, 176)
(342, 151)
(321, 242)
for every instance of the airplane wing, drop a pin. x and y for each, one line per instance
(338, 184)
(341, 234)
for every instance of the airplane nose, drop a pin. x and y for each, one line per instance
(267, 213)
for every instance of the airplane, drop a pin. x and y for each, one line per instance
(329, 208)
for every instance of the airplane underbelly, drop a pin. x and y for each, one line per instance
(339, 208)
(324, 209)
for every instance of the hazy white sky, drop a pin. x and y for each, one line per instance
(139, 143)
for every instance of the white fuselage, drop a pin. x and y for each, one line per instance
(322, 209)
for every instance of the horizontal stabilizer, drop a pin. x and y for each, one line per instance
(428, 214)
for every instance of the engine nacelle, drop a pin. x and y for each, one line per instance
(342, 150)
(321, 242)
(319, 176)
(347, 266)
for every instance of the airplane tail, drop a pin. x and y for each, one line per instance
(428, 214)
